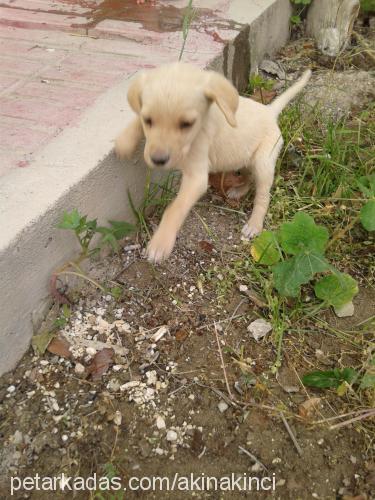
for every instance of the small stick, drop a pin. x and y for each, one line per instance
(351, 420)
(221, 321)
(222, 364)
(324, 420)
(292, 436)
(253, 457)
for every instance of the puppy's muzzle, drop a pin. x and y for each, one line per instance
(160, 158)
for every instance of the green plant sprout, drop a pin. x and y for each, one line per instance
(257, 82)
(85, 230)
(298, 7)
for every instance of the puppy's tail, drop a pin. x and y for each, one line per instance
(280, 102)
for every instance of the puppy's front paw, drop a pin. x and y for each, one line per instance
(160, 247)
(251, 229)
(124, 148)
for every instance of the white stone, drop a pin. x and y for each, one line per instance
(171, 435)
(259, 328)
(160, 422)
(117, 418)
(79, 368)
(222, 406)
(11, 389)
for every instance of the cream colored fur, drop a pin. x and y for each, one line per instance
(195, 121)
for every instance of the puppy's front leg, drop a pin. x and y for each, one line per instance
(193, 186)
(127, 142)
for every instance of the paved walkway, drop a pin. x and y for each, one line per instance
(58, 56)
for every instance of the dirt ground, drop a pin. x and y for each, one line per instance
(163, 407)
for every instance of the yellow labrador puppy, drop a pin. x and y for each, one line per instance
(194, 121)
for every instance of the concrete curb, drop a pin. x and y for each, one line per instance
(78, 169)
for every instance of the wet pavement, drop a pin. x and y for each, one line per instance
(58, 56)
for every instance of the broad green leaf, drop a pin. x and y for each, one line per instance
(330, 378)
(366, 184)
(264, 249)
(302, 234)
(121, 229)
(295, 19)
(291, 274)
(368, 215)
(41, 341)
(71, 220)
(336, 289)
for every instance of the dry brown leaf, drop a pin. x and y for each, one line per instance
(263, 96)
(221, 182)
(309, 407)
(60, 347)
(206, 246)
(357, 497)
(181, 335)
(100, 363)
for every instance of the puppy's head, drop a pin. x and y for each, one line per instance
(173, 103)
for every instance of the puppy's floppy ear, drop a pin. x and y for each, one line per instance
(135, 93)
(224, 94)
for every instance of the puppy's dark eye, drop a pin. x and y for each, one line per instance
(184, 124)
(148, 122)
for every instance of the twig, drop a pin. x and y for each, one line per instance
(253, 457)
(233, 315)
(222, 364)
(351, 420)
(221, 321)
(336, 417)
(292, 436)
(254, 297)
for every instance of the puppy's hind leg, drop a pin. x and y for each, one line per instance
(264, 168)
(127, 142)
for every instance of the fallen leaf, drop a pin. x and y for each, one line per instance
(181, 335)
(221, 181)
(60, 347)
(309, 407)
(264, 97)
(100, 363)
(40, 342)
(206, 246)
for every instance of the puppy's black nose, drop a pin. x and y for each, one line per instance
(160, 158)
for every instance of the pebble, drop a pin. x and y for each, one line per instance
(11, 389)
(91, 351)
(79, 368)
(222, 406)
(64, 438)
(117, 418)
(160, 422)
(259, 328)
(171, 435)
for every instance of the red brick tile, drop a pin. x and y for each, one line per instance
(59, 94)
(23, 137)
(6, 81)
(47, 6)
(39, 111)
(40, 20)
(20, 66)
